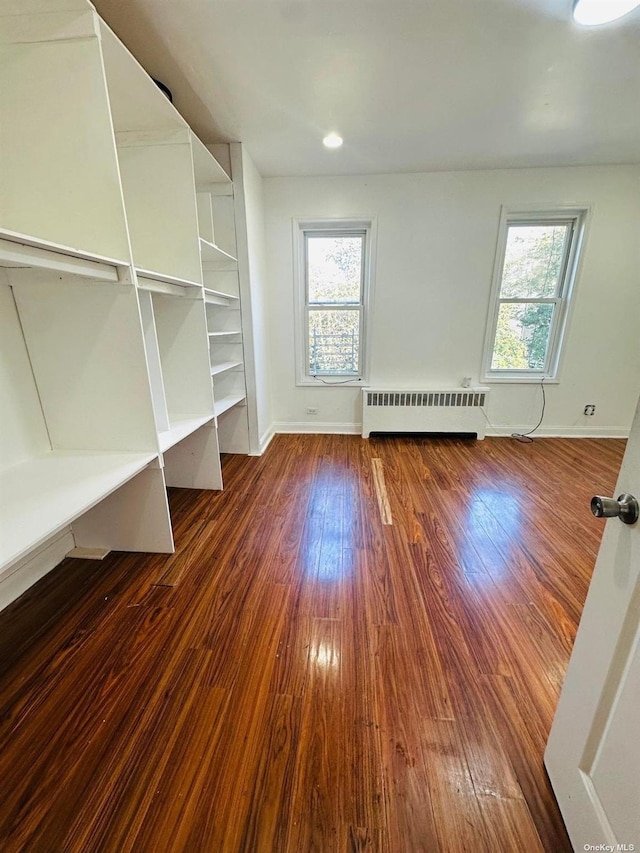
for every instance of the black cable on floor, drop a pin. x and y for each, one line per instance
(526, 437)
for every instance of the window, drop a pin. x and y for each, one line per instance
(534, 275)
(333, 287)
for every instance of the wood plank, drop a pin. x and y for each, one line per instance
(88, 553)
(509, 825)
(271, 789)
(312, 678)
(381, 491)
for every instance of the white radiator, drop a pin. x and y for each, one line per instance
(446, 410)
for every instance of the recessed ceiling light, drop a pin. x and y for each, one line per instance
(335, 141)
(594, 12)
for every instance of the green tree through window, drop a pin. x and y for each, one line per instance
(334, 273)
(536, 265)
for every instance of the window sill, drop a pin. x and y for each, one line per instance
(519, 380)
(332, 381)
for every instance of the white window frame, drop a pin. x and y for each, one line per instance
(332, 227)
(576, 215)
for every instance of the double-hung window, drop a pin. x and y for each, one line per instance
(535, 271)
(333, 286)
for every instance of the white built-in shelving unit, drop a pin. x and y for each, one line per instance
(121, 346)
(216, 218)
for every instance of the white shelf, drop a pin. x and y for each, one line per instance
(214, 256)
(66, 187)
(224, 282)
(159, 199)
(226, 403)
(156, 282)
(40, 497)
(224, 366)
(217, 297)
(18, 251)
(110, 227)
(136, 102)
(206, 168)
(180, 427)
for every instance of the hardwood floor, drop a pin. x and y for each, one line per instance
(343, 654)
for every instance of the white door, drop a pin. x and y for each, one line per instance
(593, 753)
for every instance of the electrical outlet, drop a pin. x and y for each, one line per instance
(590, 409)
(312, 410)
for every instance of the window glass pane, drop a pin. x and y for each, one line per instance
(522, 336)
(533, 261)
(334, 269)
(334, 341)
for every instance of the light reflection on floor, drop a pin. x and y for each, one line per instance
(502, 505)
(327, 547)
(325, 656)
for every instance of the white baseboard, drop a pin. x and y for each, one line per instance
(561, 432)
(23, 574)
(265, 439)
(497, 430)
(316, 428)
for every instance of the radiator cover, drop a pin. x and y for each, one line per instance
(434, 410)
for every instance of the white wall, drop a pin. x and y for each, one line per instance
(23, 431)
(435, 253)
(256, 348)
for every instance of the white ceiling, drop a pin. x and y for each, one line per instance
(411, 86)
